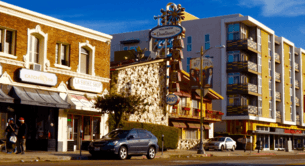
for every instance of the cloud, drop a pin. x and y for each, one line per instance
(111, 27)
(272, 8)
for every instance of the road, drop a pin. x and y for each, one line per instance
(213, 161)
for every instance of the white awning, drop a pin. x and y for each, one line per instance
(79, 102)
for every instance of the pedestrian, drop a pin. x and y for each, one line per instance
(11, 138)
(21, 136)
(258, 145)
(245, 143)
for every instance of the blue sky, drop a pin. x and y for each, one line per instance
(285, 17)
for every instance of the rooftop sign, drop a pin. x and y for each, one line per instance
(165, 32)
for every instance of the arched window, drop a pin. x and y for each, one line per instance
(84, 65)
(34, 49)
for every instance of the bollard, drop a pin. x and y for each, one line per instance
(162, 143)
(81, 142)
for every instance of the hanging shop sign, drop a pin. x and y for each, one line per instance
(86, 85)
(207, 73)
(165, 32)
(37, 77)
(172, 99)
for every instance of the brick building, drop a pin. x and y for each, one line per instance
(50, 69)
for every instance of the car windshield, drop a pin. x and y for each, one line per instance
(218, 139)
(117, 134)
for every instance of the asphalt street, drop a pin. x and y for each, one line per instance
(214, 161)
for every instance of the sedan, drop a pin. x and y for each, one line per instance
(221, 143)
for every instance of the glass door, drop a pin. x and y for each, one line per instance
(77, 128)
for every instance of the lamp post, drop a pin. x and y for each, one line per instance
(200, 150)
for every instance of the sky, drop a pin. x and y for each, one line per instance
(285, 17)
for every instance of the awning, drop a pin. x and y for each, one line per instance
(79, 102)
(182, 94)
(210, 94)
(37, 97)
(4, 98)
(194, 125)
(206, 127)
(179, 124)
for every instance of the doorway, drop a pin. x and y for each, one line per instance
(77, 127)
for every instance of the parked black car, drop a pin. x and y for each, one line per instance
(126, 143)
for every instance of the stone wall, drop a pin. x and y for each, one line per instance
(148, 81)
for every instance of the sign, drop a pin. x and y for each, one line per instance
(86, 85)
(292, 131)
(172, 99)
(207, 73)
(38, 77)
(165, 32)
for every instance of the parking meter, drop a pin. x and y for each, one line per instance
(162, 142)
(81, 139)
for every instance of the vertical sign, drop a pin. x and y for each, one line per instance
(207, 73)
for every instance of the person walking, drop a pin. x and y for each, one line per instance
(245, 143)
(11, 136)
(258, 145)
(21, 136)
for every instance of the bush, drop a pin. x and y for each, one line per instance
(171, 134)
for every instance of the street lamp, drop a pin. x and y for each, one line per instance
(200, 150)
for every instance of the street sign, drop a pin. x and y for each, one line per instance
(166, 32)
(172, 99)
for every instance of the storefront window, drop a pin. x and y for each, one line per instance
(191, 134)
(70, 126)
(87, 129)
(96, 127)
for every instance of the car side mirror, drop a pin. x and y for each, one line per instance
(130, 137)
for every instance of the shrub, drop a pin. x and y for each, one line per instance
(171, 134)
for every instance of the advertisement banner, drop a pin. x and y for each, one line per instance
(207, 73)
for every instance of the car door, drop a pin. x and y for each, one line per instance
(228, 144)
(133, 142)
(144, 139)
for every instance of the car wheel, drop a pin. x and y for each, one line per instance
(123, 153)
(222, 148)
(233, 148)
(151, 154)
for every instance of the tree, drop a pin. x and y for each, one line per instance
(116, 105)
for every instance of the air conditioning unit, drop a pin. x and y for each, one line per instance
(36, 67)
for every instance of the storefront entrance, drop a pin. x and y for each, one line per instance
(265, 140)
(77, 127)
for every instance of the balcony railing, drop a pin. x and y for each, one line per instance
(278, 116)
(297, 84)
(277, 58)
(296, 67)
(242, 44)
(297, 119)
(277, 77)
(252, 88)
(237, 110)
(297, 101)
(252, 44)
(278, 96)
(252, 66)
(213, 115)
(246, 88)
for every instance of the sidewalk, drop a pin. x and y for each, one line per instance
(37, 156)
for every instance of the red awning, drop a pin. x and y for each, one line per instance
(206, 127)
(194, 125)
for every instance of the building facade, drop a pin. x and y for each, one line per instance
(51, 71)
(258, 73)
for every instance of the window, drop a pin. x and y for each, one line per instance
(63, 54)
(183, 102)
(233, 78)
(260, 106)
(259, 84)
(269, 45)
(270, 109)
(233, 32)
(207, 42)
(188, 61)
(229, 140)
(7, 41)
(84, 61)
(244, 31)
(269, 67)
(34, 49)
(259, 40)
(125, 48)
(133, 48)
(96, 127)
(259, 63)
(70, 126)
(143, 134)
(270, 88)
(86, 58)
(195, 105)
(234, 100)
(191, 133)
(233, 56)
(262, 128)
(189, 43)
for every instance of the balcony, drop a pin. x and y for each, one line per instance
(277, 58)
(277, 77)
(246, 66)
(278, 96)
(247, 88)
(297, 85)
(297, 101)
(194, 113)
(278, 116)
(242, 110)
(296, 67)
(245, 44)
(212, 115)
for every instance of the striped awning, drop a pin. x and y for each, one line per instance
(179, 124)
(194, 125)
(206, 127)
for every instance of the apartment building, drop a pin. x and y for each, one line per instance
(50, 71)
(258, 73)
